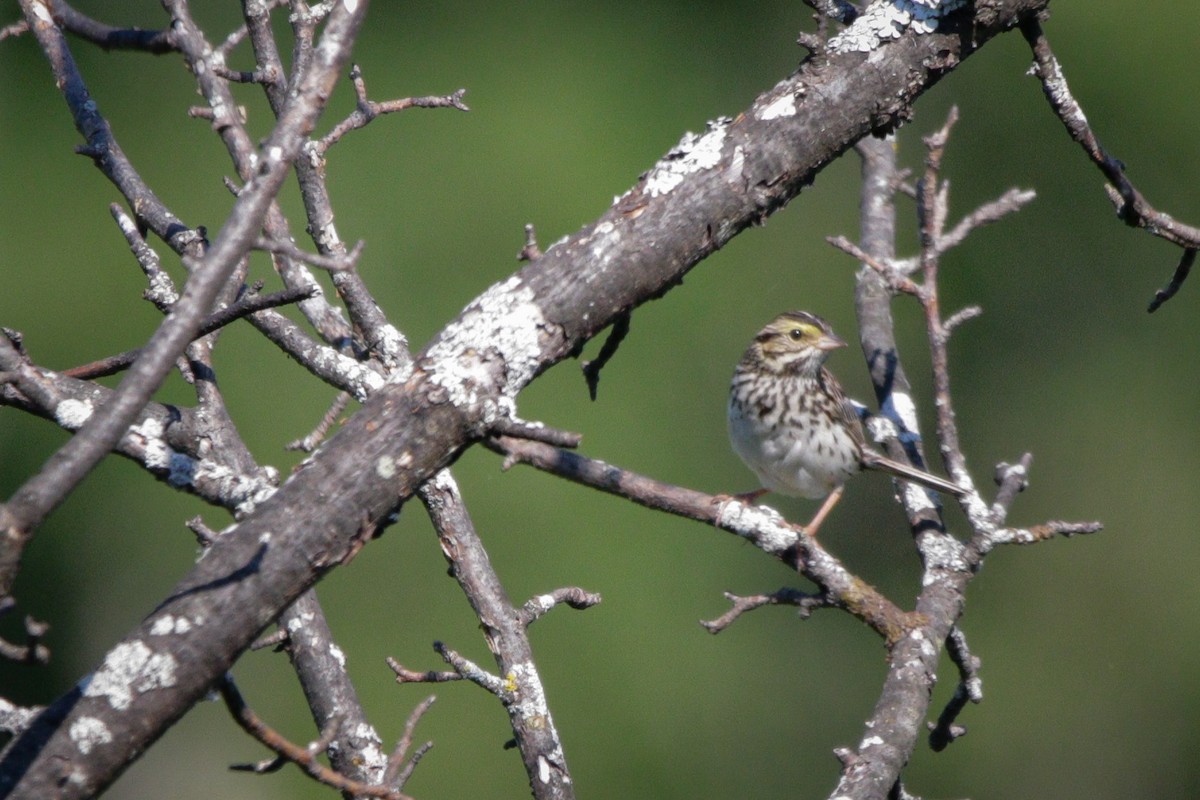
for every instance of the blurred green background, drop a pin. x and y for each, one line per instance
(1089, 646)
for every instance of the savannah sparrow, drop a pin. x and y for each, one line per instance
(791, 423)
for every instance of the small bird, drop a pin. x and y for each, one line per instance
(791, 424)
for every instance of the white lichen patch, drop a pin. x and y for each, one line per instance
(783, 106)
(737, 166)
(885, 20)
(130, 668)
(43, 13)
(531, 699)
(906, 411)
(296, 624)
(168, 625)
(504, 322)
(385, 467)
(941, 553)
(916, 498)
(394, 346)
(601, 242)
(541, 604)
(359, 379)
(71, 414)
(338, 655)
(149, 435)
(694, 153)
(88, 733)
(762, 525)
(242, 490)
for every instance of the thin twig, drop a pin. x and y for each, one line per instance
(317, 435)
(328, 263)
(247, 305)
(894, 278)
(531, 251)
(303, 757)
(970, 689)
(398, 772)
(591, 369)
(535, 431)
(1131, 206)
(573, 596)
(405, 675)
(805, 601)
(109, 37)
(1181, 273)
(367, 109)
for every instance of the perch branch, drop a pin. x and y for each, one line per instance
(759, 525)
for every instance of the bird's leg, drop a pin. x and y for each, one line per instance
(811, 528)
(750, 497)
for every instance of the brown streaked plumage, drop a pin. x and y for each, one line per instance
(790, 422)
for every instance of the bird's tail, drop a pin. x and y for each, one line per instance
(873, 460)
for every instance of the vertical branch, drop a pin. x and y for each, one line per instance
(355, 748)
(931, 213)
(872, 301)
(504, 627)
(891, 732)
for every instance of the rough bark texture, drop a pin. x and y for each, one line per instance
(691, 203)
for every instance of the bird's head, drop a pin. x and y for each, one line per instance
(796, 341)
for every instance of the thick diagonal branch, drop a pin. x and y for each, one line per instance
(691, 203)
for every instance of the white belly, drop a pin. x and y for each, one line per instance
(797, 460)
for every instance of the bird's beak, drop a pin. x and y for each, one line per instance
(830, 341)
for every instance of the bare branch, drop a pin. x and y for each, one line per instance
(303, 757)
(310, 442)
(104, 428)
(759, 525)
(248, 304)
(572, 596)
(531, 251)
(535, 431)
(970, 689)
(398, 771)
(892, 277)
(405, 675)
(1010, 202)
(1047, 530)
(719, 182)
(520, 689)
(1012, 480)
(504, 688)
(1131, 206)
(806, 602)
(1182, 271)
(367, 109)
(591, 369)
(330, 263)
(108, 37)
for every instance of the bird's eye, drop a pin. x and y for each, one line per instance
(795, 334)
